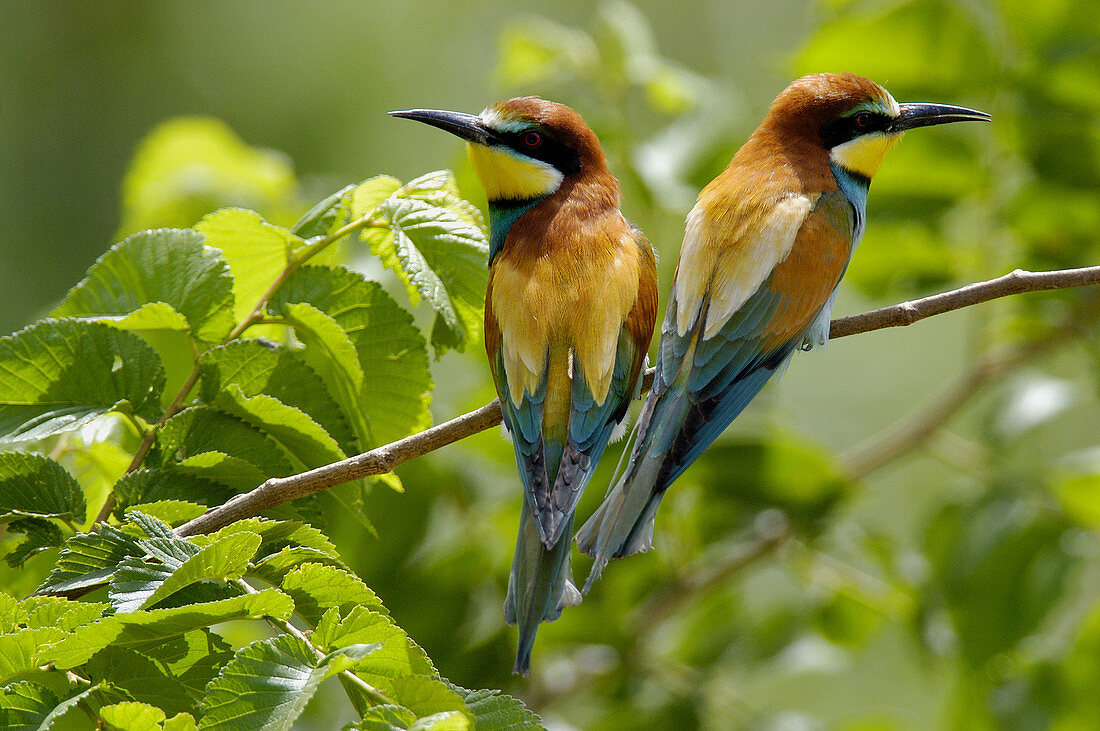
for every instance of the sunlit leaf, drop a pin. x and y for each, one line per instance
(19, 650)
(437, 244)
(129, 630)
(258, 367)
(267, 684)
(256, 252)
(143, 585)
(190, 166)
(539, 50)
(164, 265)
(495, 711)
(60, 374)
(386, 389)
(64, 614)
(397, 655)
(317, 588)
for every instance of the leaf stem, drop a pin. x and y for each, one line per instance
(285, 626)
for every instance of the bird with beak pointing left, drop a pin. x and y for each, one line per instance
(569, 313)
(765, 247)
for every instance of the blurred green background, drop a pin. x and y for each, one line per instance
(898, 534)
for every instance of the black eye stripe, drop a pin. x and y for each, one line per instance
(541, 145)
(848, 127)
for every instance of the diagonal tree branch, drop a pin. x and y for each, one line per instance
(279, 490)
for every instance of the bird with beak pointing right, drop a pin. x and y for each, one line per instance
(764, 250)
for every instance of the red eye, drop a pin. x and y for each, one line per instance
(863, 120)
(532, 139)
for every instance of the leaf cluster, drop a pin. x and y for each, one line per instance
(195, 363)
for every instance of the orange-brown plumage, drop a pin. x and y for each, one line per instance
(765, 248)
(569, 313)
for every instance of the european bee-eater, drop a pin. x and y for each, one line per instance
(569, 313)
(764, 249)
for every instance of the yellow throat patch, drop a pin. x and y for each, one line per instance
(506, 175)
(864, 154)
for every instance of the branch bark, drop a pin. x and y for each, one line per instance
(279, 490)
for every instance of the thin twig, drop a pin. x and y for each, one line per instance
(912, 430)
(1016, 282)
(284, 625)
(279, 490)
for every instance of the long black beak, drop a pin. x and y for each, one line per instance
(467, 126)
(925, 115)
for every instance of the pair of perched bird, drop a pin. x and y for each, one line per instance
(572, 301)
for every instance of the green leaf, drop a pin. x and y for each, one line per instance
(98, 456)
(90, 558)
(998, 563)
(24, 705)
(441, 189)
(193, 658)
(258, 367)
(129, 630)
(161, 486)
(435, 247)
(137, 585)
(445, 721)
(12, 613)
(495, 711)
(36, 486)
(60, 374)
(132, 716)
(426, 696)
(67, 705)
(385, 717)
(19, 650)
(201, 429)
(276, 535)
(219, 467)
(267, 685)
(256, 252)
(301, 438)
(539, 50)
(164, 265)
(315, 588)
(189, 166)
(385, 391)
(371, 192)
(397, 655)
(275, 567)
(139, 677)
(324, 217)
(169, 334)
(63, 614)
(41, 535)
(180, 722)
(172, 512)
